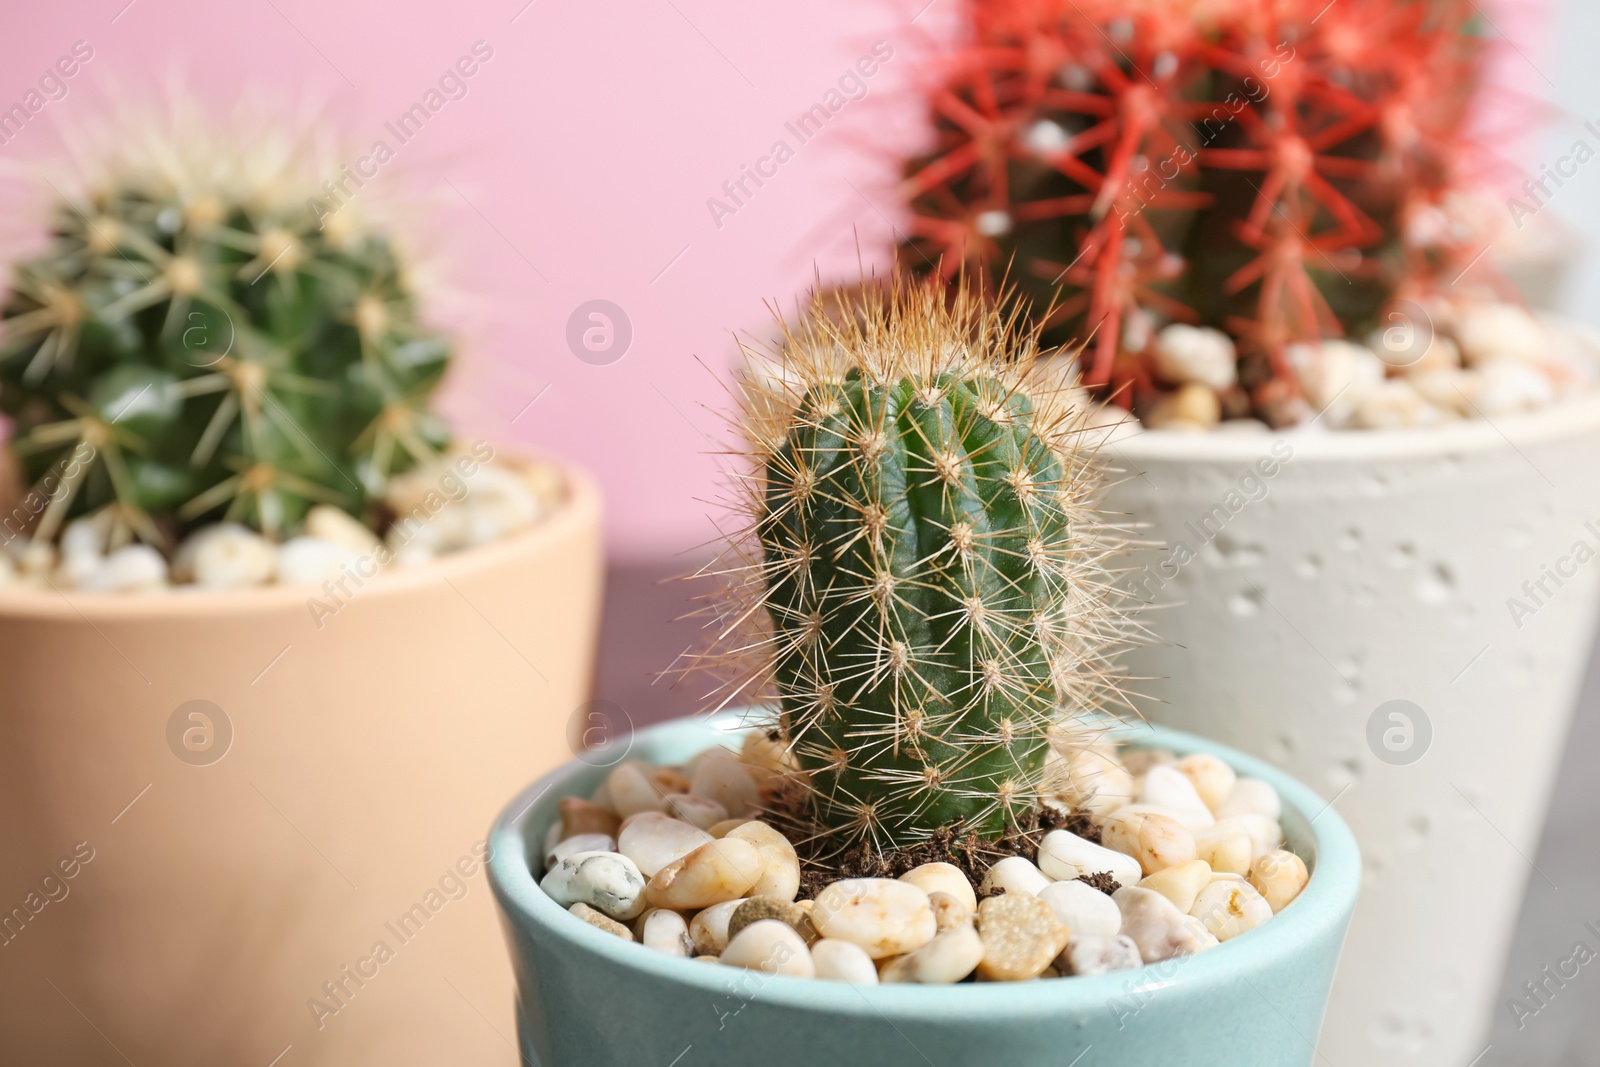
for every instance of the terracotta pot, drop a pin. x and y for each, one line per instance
(1353, 570)
(211, 873)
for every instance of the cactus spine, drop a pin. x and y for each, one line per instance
(926, 572)
(213, 346)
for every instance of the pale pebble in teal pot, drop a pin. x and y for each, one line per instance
(589, 999)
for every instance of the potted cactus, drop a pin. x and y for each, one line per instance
(243, 568)
(1361, 465)
(922, 791)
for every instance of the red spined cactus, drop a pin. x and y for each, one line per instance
(1277, 169)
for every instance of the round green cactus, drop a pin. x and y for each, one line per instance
(220, 347)
(928, 566)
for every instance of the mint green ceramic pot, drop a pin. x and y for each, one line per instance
(589, 999)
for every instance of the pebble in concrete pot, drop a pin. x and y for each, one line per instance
(1401, 620)
(585, 996)
(220, 795)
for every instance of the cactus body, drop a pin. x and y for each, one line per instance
(927, 567)
(223, 350)
(1281, 170)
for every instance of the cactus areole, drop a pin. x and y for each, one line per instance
(932, 605)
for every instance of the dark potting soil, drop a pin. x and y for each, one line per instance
(821, 865)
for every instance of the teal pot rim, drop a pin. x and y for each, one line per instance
(1317, 916)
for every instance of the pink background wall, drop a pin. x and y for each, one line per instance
(590, 144)
(587, 147)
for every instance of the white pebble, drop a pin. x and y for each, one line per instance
(1084, 910)
(1156, 841)
(1096, 782)
(606, 881)
(1046, 138)
(562, 847)
(696, 811)
(34, 560)
(76, 568)
(1156, 925)
(947, 959)
(1265, 834)
(1509, 387)
(1180, 884)
(1251, 796)
(337, 526)
(312, 561)
(709, 929)
(1196, 354)
(653, 840)
(484, 507)
(498, 504)
(885, 917)
(1014, 874)
(948, 912)
(1401, 348)
(779, 877)
(1212, 778)
(1064, 855)
(666, 931)
(1335, 376)
(1193, 408)
(1192, 818)
(85, 538)
(1230, 853)
(1168, 786)
(720, 775)
(843, 961)
(718, 870)
(1490, 332)
(226, 556)
(1230, 907)
(1104, 954)
(1279, 877)
(632, 790)
(1394, 404)
(771, 946)
(943, 878)
(130, 569)
(1453, 391)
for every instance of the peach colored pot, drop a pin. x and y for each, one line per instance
(178, 889)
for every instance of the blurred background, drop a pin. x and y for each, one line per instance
(601, 153)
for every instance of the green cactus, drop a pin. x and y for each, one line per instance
(225, 348)
(929, 567)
